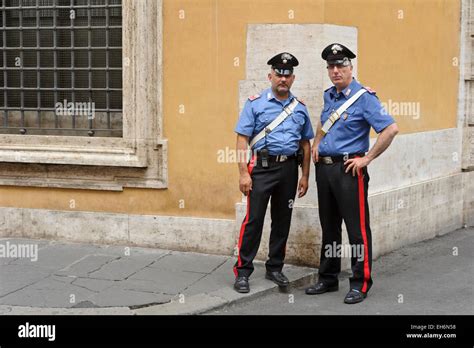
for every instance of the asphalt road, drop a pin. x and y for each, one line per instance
(432, 277)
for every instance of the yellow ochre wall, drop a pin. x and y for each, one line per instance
(409, 59)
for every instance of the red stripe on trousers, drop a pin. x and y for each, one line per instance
(363, 230)
(242, 229)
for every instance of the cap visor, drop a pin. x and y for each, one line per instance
(285, 72)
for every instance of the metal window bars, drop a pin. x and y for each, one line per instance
(61, 67)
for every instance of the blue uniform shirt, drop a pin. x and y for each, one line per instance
(284, 139)
(351, 133)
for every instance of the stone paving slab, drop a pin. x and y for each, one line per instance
(228, 266)
(124, 267)
(95, 285)
(209, 283)
(77, 279)
(86, 265)
(56, 257)
(15, 277)
(168, 281)
(149, 285)
(190, 262)
(115, 296)
(55, 295)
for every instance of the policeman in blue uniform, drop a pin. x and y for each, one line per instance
(272, 172)
(341, 155)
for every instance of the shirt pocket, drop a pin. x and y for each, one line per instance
(325, 113)
(351, 117)
(298, 119)
(261, 121)
(297, 123)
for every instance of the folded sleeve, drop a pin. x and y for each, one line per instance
(375, 114)
(307, 133)
(246, 124)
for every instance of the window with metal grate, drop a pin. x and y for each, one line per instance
(61, 67)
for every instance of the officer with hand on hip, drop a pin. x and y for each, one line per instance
(277, 125)
(341, 159)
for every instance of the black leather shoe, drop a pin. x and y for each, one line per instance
(278, 278)
(320, 288)
(354, 296)
(242, 284)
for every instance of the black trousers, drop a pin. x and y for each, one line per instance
(342, 196)
(278, 183)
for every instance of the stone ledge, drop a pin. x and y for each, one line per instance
(429, 208)
(214, 236)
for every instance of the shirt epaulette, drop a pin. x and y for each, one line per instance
(254, 97)
(301, 101)
(370, 90)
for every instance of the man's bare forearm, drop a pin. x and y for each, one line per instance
(317, 140)
(242, 148)
(384, 140)
(305, 145)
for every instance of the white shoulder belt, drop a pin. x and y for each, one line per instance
(336, 115)
(284, 114)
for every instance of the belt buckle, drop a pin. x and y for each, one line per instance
(327, 160)
(283, 158)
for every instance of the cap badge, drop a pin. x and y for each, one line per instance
(336, 48)
(286, 57)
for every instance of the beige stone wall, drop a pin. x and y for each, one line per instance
(205, 59)
(176, 194)
(470, 88)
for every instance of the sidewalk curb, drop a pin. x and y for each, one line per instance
(206, 302)
(33, 311)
